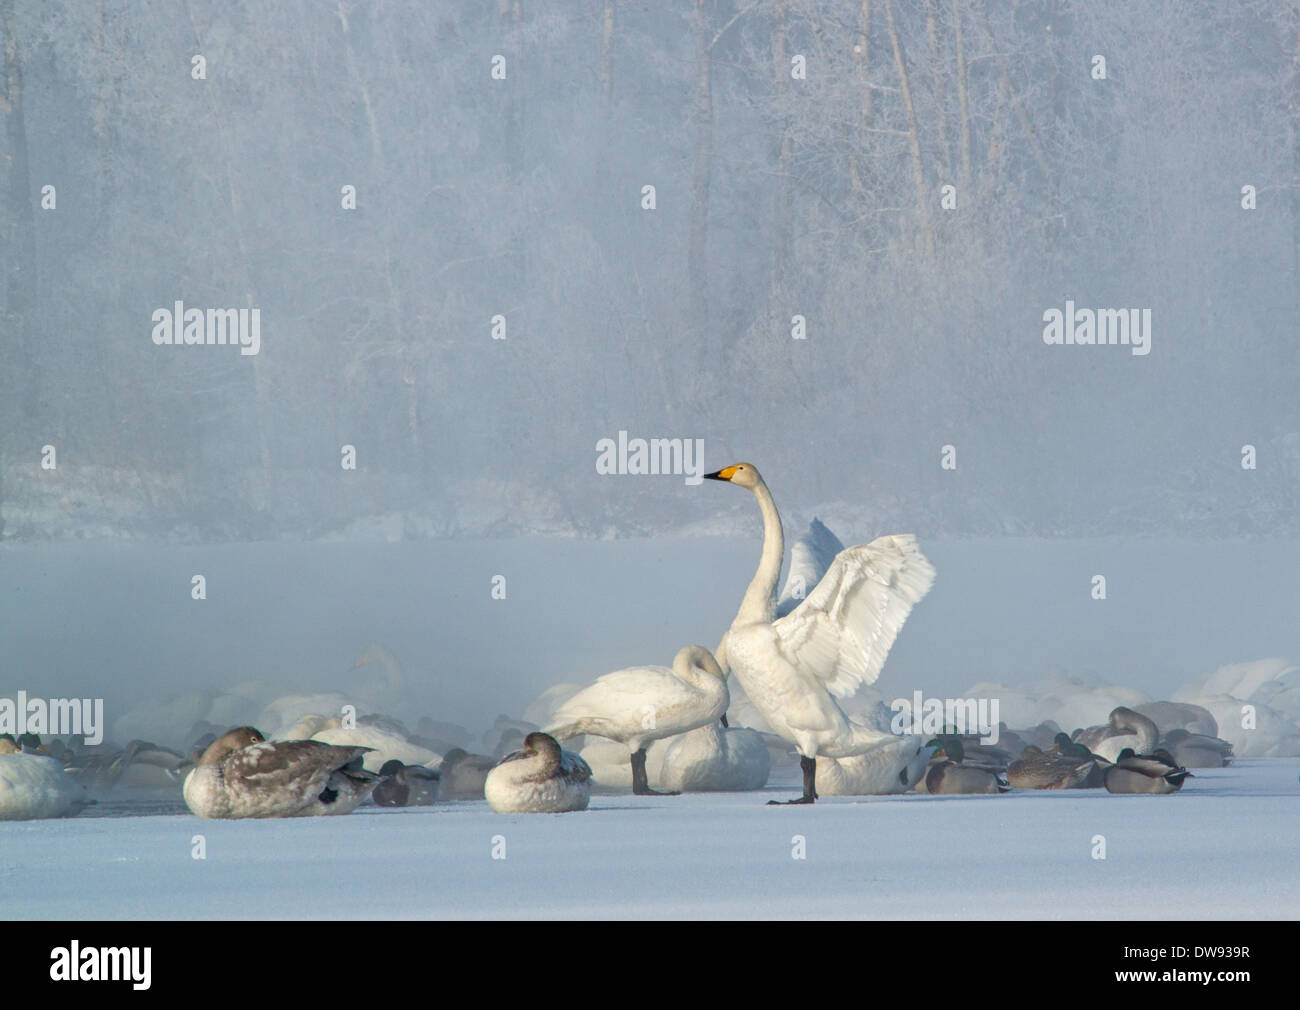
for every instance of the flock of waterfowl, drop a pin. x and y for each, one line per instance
(789, 680)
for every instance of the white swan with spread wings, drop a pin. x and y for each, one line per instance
(794, 667)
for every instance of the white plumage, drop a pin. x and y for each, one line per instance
(543, 778)
(895, 765)
(383, 745)
(810, 558)
(610, 768)
(641, 704)
(794, 667)
(714, 759)
(33, 786)
(842, 633)
(1125, 729)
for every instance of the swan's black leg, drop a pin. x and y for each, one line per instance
(809, 767)
(724, 721)
(640, 782)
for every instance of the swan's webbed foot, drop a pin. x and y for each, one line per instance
(809, 767)
(640, 781)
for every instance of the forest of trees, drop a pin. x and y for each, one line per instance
(917, 180)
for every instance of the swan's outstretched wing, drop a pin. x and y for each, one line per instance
(810, 558)
(843, 631)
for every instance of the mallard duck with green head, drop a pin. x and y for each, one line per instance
(949, 777)
(1154, 773)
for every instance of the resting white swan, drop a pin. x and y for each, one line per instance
(1125, 728)
(1253, 728)
(308, 726)
(645, 703)
(1172, 715)
(382, 745)
(543, 778)
(793, 667)
(33, 786)
(243, 775)
(895, 765)
(610, 769)
(716, 759)
(282, 713)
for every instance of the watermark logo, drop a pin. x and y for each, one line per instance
(75, 963)
(931, 717)
(179, 325)
(1126, 327)
(654, 456)
(53, 716)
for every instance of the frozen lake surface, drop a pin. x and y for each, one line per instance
(1222, 848)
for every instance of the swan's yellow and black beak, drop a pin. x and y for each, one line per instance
(726, 473)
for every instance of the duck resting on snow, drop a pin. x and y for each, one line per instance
(948, 776)
(1050, 769)
(402, 785)
(463, 774)
(1147, 773)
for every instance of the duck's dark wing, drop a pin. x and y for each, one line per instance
(573, 766)
(1147, 765)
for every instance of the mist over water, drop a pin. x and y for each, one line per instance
(116, 621)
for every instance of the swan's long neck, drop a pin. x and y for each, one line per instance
(1148, 733)
(759, 604)
(1125, 720)
(696, 666)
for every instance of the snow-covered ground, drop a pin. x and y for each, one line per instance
(1222, 848)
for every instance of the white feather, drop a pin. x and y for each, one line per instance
(34, 787)
(844, 630)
